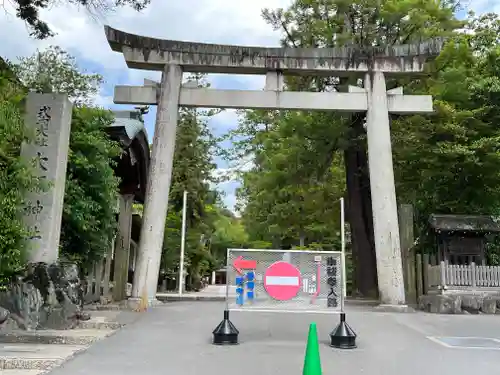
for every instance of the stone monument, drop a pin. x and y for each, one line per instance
(372, 64)
(48, 293)
(49, 115)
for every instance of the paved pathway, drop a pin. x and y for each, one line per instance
(210, 292)
(34, 352)
(175, 339)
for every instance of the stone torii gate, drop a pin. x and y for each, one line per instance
(373, 65)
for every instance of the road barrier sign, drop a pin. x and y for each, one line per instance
(241, 264)
(240, 280)
(244, 280)
(284, 280)
(250, 284)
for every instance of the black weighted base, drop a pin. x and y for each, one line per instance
(343, 337)
(225, 333)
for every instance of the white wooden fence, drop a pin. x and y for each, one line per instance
(98, 281)
(445, 275)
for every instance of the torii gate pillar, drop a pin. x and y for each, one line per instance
(383, 193)
(158, 187)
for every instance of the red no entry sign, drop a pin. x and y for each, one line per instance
(282, 281)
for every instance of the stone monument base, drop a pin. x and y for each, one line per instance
(44, 296)
(462, 302)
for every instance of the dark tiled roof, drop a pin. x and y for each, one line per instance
(464, 223)
(128, 128)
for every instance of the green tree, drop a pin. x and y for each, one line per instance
(228, 231)
(448, 163)
(16, 176)
(283, 204)
(55, 70)
(89, 216)
(29, 11)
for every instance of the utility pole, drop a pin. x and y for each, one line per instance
(342, 247)
(183, 241)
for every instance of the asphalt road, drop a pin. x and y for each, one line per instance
(176, 339)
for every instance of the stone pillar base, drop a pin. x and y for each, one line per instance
(137, 304)
(44, 296)
(394, 308)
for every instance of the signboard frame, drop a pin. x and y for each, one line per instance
(230, 268)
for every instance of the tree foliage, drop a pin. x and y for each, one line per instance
(29, 11)
(228, 232)
(283, 204)
(16, 176)
(89, 216)
(55, 70)
(447, 163)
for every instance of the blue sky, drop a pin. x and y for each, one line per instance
(216, 21)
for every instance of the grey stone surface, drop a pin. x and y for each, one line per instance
(4, 315)
(465, 303)
(471, 303)
(29, 364)
(66, 337)
(45, 296)
(148, 262)
(394, 308)
(281, 100)
(489, 305)
(49, 116)
(106, 307)
(122, 247)
(441, 304)
(152, 54)
(175, 339)
(137, 304)
(47, 349)
(99, 325)
(35, 356)
(109, 319)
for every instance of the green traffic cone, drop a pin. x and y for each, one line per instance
(312, 362)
